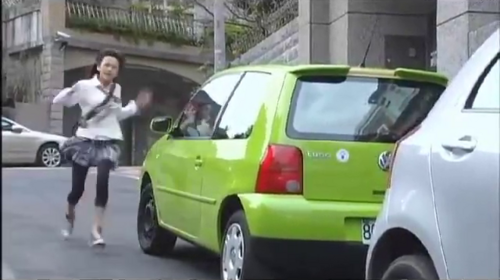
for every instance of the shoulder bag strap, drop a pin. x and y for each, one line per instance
(93, 112)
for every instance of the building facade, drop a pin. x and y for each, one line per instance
(38, 62)
(425, 34)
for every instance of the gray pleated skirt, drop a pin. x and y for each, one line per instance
(89, 152)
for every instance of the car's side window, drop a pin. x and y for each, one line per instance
(486, 94)
(198, 117)
(243, 108)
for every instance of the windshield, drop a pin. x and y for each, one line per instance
(6, 123)
(358, 108)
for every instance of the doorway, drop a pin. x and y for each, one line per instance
(405, 51)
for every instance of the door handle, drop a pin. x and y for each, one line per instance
(198, 162)
(465, 143)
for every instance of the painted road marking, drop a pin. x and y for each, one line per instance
(121, 171)
(126, 172)
(35, 168)
(122, 168)
(123, 175)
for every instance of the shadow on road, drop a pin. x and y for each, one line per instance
(198, 258)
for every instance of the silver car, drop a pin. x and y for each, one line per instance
(440, 218)
(21, 145)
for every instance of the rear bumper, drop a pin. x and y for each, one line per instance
(293, 217)
(312, 258)
(320, 238)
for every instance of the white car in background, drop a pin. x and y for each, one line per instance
(440, 218)
(21, 145)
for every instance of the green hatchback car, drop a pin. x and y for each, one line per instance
(280, 167)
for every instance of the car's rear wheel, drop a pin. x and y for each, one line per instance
(153, 239)
(411, 267)
(49, 155)
(238, 261)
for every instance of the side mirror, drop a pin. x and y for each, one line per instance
(16, 129)
(161, 124)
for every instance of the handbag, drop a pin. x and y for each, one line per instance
(82, 122)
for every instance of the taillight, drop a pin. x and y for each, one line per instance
(394, 152)
(280, 171)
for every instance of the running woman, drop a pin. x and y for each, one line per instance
(96, 140)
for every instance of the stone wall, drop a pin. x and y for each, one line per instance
(462, 25)
(282, 47)
(21, 39)
(21, 26)
(22, 72)
(52, 78)
(33, 115)
(478, 36)
(33, 36)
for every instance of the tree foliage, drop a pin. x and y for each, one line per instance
(247, 22)
(246, 12)
(244, 18)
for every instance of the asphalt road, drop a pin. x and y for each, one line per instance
(33, 205)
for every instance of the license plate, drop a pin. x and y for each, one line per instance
(367, 230)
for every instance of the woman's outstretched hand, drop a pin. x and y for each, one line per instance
(144, 98)
(189, 117)
(190, 113)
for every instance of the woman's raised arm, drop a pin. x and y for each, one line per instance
(68, 96)
(127, 111)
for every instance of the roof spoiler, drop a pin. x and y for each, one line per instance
(318, 68)
(420, 75)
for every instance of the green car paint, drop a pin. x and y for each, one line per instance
(195, 202)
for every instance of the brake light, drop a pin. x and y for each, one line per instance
(280, 171)
(394, 152)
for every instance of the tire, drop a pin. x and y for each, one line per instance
(418, 267)
(153, 239)
(250, 268)
(49, 155)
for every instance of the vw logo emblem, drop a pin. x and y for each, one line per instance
(384, 160)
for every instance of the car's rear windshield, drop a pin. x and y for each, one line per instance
(358, 108)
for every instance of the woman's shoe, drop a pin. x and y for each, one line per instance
(96, 239)
(67, 231)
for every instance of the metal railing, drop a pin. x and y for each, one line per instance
(8, 4)
(11, 3)
(137, 24)
(160, 26)
(273, 22)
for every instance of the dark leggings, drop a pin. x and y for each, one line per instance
(78, 183)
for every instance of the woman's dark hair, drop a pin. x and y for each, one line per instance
(101, 55)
